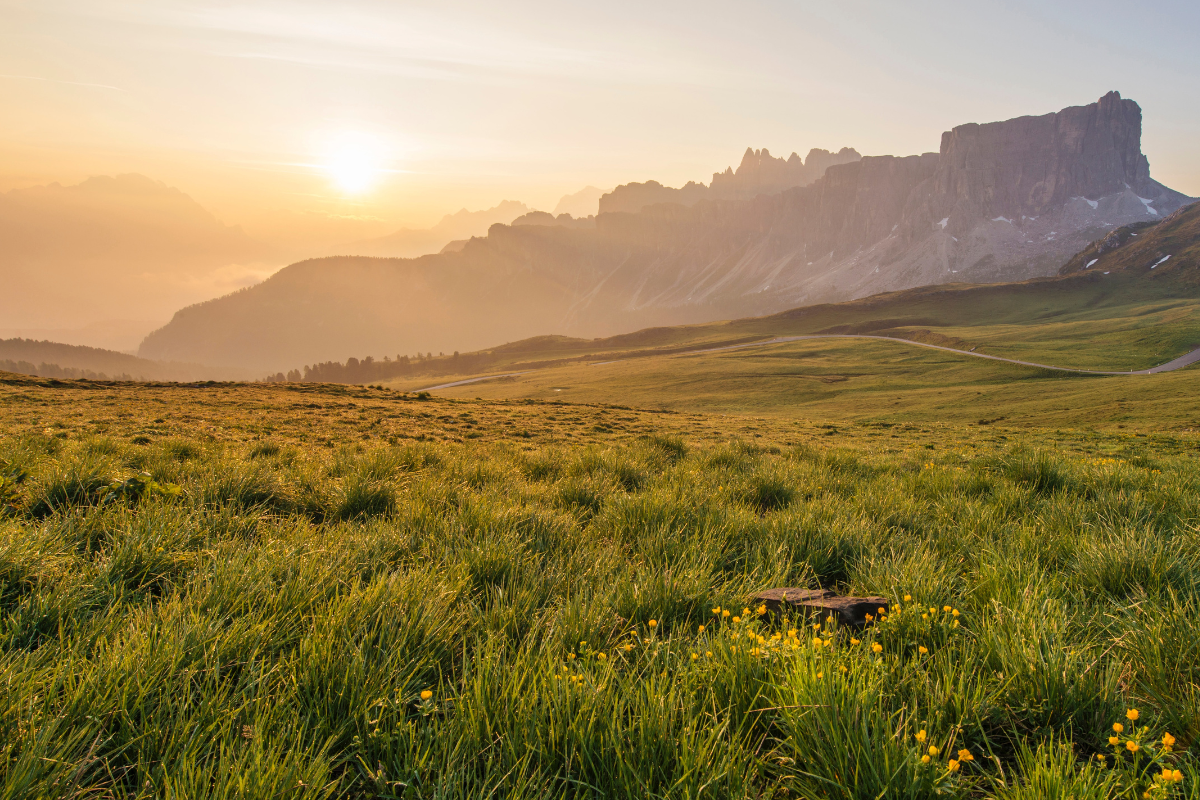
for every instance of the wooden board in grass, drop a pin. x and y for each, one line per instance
(821, 604)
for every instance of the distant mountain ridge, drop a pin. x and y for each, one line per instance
(759, 173)
(1004, 201)
(55, 360)
(113, 249)
(462, 224)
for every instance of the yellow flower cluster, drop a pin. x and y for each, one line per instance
(932, 752)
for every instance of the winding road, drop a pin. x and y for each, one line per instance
(1169, 366)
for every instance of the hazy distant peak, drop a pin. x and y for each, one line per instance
(129, 183)
(462, 224)
(550, 220)
(504, 207)
(584, 203)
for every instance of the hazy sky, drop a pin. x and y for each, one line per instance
(408, 110)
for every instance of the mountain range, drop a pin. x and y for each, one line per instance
(115, 256)
(759, 173)
(1002, 201)
(463, 224)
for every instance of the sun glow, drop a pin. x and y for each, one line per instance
(355, 161)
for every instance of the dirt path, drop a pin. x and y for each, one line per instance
(1174, 364)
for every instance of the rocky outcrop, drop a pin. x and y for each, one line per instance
(820, 605)
(999, 202)
(759, 173)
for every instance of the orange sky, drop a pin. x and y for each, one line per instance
(422, 108)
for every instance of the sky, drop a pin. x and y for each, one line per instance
(400, 112)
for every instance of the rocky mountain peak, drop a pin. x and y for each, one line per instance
(1030, 165)
(758, 173)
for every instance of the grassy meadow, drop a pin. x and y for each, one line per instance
(838, 380)
(315, 591)
(1089, 321)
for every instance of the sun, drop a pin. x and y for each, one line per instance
(355, 162)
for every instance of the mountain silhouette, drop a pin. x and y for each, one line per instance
(999, 202)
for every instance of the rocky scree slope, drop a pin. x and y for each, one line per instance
(1005, 201)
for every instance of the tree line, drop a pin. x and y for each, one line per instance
(44, 370)
(369, 370)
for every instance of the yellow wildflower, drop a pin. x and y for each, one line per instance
(653, 623)
(717, 610)
(701, 629)
(877, 648)
(946, 609)
(1113, 741)
(924, 616)
(924, 759)
(708, 653)
(1131, 715)
(923, 650)
(425, 695)
(820, 675)
(1118, 727)
(725, 612)
(933, 751)
(952, 766)
(854, 641)
(920, 737)
(762, 609)
(908, 598)
(965, 755)
(570, 656)
(1168, 741)
(745, 612)
(601, 656)
(955, 612)
(1131, 746)
(1177, 776)
(737, 619)
(694, 656)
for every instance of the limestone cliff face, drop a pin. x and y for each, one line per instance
(1033, 165)
(1003, 201)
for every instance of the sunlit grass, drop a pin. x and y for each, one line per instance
(436, 620)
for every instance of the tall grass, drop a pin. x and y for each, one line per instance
(271, 629)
